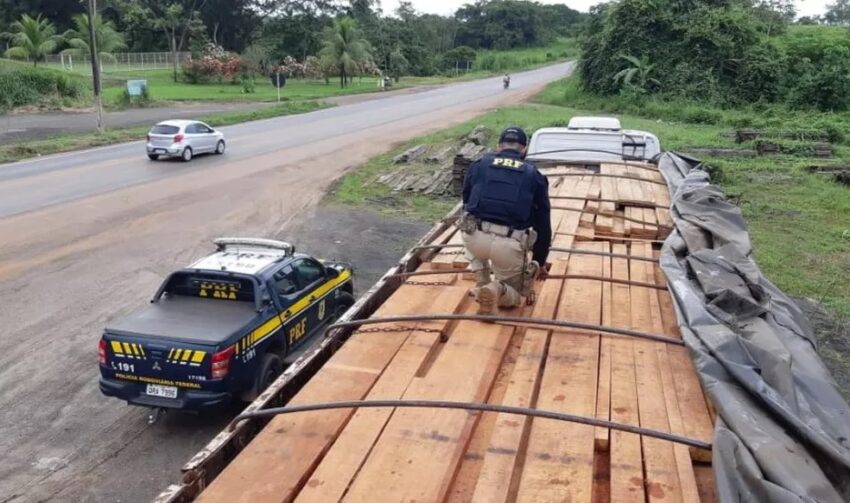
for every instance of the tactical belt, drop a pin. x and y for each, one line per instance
(500, 230)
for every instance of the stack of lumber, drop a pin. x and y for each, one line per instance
(424, 181)
(410, 154)
(624, 202)
(469, 153)
(430, 455)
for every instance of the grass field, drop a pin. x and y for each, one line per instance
(163, 88)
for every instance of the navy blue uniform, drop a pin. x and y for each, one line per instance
(504, 189)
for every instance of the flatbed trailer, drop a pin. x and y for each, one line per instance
(609, 220)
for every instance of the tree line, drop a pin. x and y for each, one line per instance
(726, 52)
(404, 42)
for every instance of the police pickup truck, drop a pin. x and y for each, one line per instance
(221, 328)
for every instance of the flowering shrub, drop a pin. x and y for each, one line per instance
(214, 65)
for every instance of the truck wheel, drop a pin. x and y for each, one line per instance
(345, 301)
(270, 368)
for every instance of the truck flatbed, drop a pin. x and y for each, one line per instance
(407, 454)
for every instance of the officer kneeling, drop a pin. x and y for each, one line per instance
(506, 215)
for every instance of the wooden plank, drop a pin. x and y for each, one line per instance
(645, 192)
(684, 464)
(627, 481)
(281, 457)
(570, 219)
(603, 394)
(610, 187)
(693, 404)
(447, 257)
(662, 479)
(619, 228)
(559, 462)
(429, 443)
(472, 461)
(605, 219)
(339, 466)
(705, 483)
(504, 452)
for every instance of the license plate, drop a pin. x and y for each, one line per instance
(163, 391)
(159, 150)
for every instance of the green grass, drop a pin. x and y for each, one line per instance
(799, 222)
(163, 87)
(519, 59)
(64, 143)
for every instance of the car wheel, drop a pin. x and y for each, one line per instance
(153, 157)
(344, 301)
(270, 368)
(187, 154)
(219, 148)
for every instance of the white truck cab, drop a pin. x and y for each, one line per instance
(592, 139)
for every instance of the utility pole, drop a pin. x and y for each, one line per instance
(95, 65)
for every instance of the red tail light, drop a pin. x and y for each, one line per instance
(221, 363)
(101, 352)
(178, 138)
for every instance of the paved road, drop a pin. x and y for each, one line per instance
(88, 236)
(38, 126)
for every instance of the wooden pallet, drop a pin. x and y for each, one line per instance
(429, 455)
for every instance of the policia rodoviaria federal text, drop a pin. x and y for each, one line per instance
(506, 216)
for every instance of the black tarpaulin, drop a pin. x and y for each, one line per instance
(783, 429)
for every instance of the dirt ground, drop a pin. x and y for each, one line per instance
(138, 459)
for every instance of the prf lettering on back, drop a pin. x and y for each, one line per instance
(507, 163)
(218, 290)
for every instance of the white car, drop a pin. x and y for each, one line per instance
(184, 139)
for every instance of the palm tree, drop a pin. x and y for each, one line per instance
(344, 47)
(637, 75)
(32, 38)
(108, 39)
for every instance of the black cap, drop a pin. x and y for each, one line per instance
(514, 134)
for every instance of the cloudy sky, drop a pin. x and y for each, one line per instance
(445, 7)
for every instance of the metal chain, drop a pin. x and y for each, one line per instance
(402, 328)
(428, 283)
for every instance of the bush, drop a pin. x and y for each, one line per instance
(215, 65)
(23, 85)
(716, 52)
(826, 84)
(247, 81)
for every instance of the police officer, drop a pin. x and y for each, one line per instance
(506, 215)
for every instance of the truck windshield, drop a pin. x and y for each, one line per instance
(210, 286)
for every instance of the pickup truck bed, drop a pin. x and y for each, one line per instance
(188, 319)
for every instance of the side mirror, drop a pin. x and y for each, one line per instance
(333, 272)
